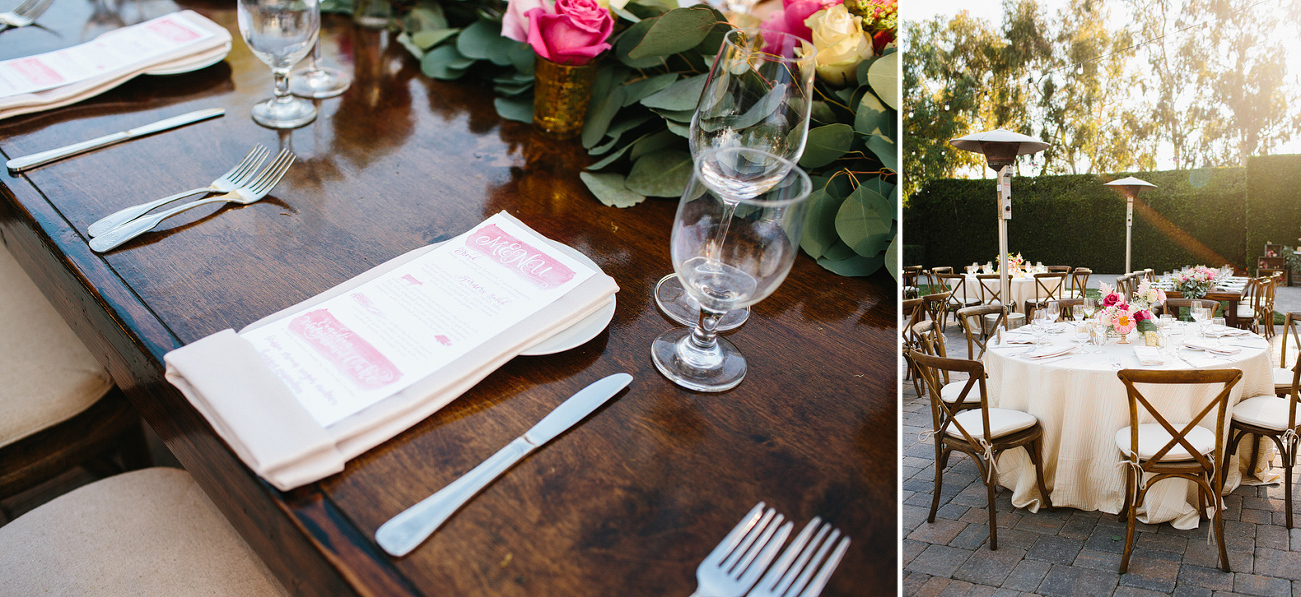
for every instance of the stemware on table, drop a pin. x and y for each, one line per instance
(319, 81)
(757, 96)
(729, 252)
(281, 33)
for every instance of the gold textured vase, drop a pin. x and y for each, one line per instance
(560, 95)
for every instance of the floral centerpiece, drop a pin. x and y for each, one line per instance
(1195, 282)
(1015, 264)
(1126, 315)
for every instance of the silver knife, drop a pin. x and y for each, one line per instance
(40, 159)
(404, 532)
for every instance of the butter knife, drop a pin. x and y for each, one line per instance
(407, 530)
(40, 159)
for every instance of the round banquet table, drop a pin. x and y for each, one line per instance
(1081, 404)
(1023, 288)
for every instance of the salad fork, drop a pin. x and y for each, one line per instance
(811, 568)
(236, 177)
(245, 195)
(731, 569)
(25, 14)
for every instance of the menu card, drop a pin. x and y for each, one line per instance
(358, 348)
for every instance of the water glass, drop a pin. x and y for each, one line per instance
(280, 33)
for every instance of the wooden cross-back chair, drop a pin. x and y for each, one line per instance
(1048, 287)
(1175, 306)
(912, 312)
(1283, 374)
(973, 321)
(911, 278)
(979, 431)
(1275, 418)
(1058, 269)
(961, 292)
(1065, 307)
(991, 295)
(1079, 282)
(1174, 450)
(936, 306)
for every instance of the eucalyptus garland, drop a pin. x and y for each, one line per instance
(646, 89)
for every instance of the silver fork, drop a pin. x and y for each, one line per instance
(25, 14)
(811, 568)
(741, 557)
(225, 183)
(245, 195)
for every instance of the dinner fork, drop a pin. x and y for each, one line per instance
(25, 14)
(731, 569)
(810, 571)
(236, 177)
(245, 195)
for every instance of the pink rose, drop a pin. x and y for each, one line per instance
(1110, 299)
(791, 18)
(574, 35)
(515, 23)
(1142, 315)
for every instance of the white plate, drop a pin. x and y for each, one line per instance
(578, 334)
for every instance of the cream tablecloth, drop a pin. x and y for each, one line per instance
(1081, 404)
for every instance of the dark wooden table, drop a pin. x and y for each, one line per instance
(627, 504)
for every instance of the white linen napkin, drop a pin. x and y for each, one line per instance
(1048, 352)
(1213, 348)
(202, 53)
(1017, 338)
(255, 413)
(1148, 355)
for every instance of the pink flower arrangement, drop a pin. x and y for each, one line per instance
(1124, 315)
(845, 32)
(569, 32)
(1194, 282)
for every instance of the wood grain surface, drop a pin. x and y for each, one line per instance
(627, 503)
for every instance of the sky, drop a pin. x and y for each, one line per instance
(992, 10)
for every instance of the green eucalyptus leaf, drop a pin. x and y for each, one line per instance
(624, 13)
(629, 40)
(825, 144)
(872, 117)
(865, 222)
(423, 18)
(762, 109)
(884, 149)
(522, 58)
(415, 50)
(515, 108)
(512, 89)
(679, 116)
(675, 31)
(609, 188)
(479, 40)
(894, 200)
(599, 116)
(892, 257)
(855, 266)
(884, 78)
(820, 223)
(634, 92)
(445, 63)
(657, 141)
(838, 251)
(681, 95)
(822, 113)
(681, 130)
(431, 37)
(663, 173)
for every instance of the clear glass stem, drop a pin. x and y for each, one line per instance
(716, 247)
(700, 350)
(316, 56)
(283, 97)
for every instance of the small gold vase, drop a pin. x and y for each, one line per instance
(560, 95)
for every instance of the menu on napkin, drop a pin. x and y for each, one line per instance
(300, 392)
(345, 354)
(171, 43)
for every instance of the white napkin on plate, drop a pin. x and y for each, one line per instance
(1048, 352)
(1017, 338)
(1148, 355)
(1213, 348)
(197, 55)
(249, 407)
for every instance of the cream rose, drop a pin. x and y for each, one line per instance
(841, 44)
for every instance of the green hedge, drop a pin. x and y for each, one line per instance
(1273, 204)
(1075, 220)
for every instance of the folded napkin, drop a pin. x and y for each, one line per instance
(202, 43)
(1013, 338)
(248, 405)
(1221, 349)
(1148, 355)
(1217, 331)
(1048, 352)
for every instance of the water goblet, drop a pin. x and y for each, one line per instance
(318, 81)
(280, 33)
(1201, 315)
(729, 253)
(1090, 306)
(758, 95)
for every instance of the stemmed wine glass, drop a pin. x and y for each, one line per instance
(319, 81)
(757, 96)
(1201, 315)
(280, 33)
(729, 252)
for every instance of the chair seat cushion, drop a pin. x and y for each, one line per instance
(1246, 312)
(46, 374)
(950, 392)
(1269, 412)
(1002, 421)
(1153, 437)
(147, 532)
(1282, 377)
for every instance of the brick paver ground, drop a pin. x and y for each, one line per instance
(1072, 552)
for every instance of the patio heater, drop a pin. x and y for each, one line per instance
(1129, 187)
(1001, 148)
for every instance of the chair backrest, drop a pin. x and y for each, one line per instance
(1290, 324)
(1173, 306)
(1049, 286)
(913, 311)
(990, 294)
(936, 306)
(1080, 281)
(1058, 269)
(934, 368)
(1067, 307)
(1178, 435)
(1150, 275)
(960, 294)
(972, 320)
(1125, 286)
